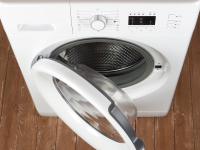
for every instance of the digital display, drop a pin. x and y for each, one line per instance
(142, 20)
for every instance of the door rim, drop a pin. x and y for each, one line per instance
(147, 56)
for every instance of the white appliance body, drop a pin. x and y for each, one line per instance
(33, 26)
(38, 27)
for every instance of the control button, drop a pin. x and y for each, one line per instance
(170, 24)
(172, 17)
(98, 25)
(158, 66)
(170, 28)
(171, 21)
(98, 22)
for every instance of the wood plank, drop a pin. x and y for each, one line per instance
(183, 119)
(194, 52)
(28, 123)
(46, 134)
(145, 131)
(4, 53)
(11, 105)
(66, 138)
(164, 131)
(82, 145)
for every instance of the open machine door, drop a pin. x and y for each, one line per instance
(89, 103)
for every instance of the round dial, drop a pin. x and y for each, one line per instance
(98, 22)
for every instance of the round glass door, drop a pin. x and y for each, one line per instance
(88, 112)
(102, 105)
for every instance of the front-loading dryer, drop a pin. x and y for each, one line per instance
(99, 64)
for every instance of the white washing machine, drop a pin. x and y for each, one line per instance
(97, 64)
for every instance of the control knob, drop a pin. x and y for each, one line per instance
(98, 22)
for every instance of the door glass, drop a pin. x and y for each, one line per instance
(88, 112)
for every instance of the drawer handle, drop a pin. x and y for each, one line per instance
(36, 27)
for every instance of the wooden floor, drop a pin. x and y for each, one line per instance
(21, 128)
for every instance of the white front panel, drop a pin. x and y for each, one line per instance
(150, 101)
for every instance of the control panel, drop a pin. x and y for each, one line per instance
(174, 22)
(98, 20)
(132, 17)
(116, 21)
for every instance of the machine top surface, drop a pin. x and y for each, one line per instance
(57, 1)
